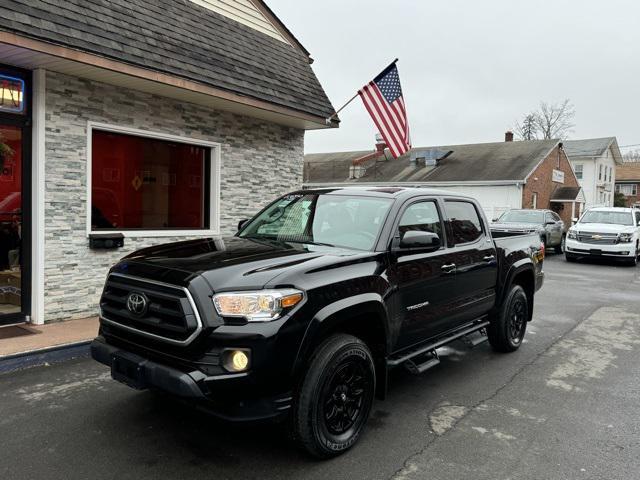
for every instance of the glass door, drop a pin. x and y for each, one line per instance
(11, 224)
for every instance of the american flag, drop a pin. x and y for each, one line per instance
(383, 100)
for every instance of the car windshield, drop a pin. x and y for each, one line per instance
(336, 220)
(522, 216)
(607, 216)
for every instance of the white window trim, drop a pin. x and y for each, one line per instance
(214, 182)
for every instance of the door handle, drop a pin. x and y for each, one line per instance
(449, 268)
(489, 258)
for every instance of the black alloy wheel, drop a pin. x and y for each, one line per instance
(517, 319)
(344, 397)
(507, 327)
(335, 397)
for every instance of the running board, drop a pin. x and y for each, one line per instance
(422, 363)
(475, 338)
(395, 361)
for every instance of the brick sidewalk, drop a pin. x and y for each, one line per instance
(29, 338)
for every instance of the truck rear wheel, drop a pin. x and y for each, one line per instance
(335, 397)
(506, 330)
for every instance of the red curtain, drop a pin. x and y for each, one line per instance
(145, 183)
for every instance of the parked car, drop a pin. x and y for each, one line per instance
(545, 223)
(612, 232)
(303, 313)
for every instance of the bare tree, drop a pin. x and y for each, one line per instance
(631, 156)
(551, 120)
(555, 119)
(528, 128)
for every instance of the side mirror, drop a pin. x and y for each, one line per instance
(550, 222)
(494, 220)
(242, 223)
(420, 239)
(574, 220)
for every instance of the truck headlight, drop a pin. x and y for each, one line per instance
(625, 237)
(256, 306)
(572, 234)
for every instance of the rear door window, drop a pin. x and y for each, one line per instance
(466, 226)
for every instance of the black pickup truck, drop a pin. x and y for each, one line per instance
(302, 314)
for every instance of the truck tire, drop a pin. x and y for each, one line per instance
(570, 257)
(335, 397)
(560, 247)
(507, 328)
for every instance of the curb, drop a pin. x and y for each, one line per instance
(43, 356)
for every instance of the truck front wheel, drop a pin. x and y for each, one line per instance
(507, 328)
(335, 397)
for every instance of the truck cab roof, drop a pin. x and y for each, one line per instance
(381, 191)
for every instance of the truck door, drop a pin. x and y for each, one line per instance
(425, 280)
(474, 255)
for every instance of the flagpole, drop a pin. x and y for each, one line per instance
(328, 120)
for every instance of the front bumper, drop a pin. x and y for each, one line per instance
(207, 392)
(620, 250)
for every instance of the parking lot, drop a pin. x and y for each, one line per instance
(563, 406)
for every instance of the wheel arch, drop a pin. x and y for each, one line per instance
(363, 316)
(524, 276)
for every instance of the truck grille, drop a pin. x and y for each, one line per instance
(598, 238)
(153, 309)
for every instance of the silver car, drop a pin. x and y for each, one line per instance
(547, 223)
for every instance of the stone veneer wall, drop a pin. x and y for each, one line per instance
(259, 160)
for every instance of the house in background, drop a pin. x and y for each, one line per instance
(594, 160)
(157, 121)
(501, 175)
(628, 182)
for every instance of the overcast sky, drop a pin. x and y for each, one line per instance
(470, 69)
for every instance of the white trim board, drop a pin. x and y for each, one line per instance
(38, 159)
(214, 181)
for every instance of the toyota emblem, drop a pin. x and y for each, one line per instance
(137, 303)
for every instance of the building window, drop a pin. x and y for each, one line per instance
(600, 172)
(578, 169)
(628, 190)
(150, 183)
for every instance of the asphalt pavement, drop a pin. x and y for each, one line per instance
(565, 406)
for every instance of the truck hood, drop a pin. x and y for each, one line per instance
(603, 228)
(234, 262)
(525, 227)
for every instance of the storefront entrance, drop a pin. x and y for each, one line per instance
(14, 197)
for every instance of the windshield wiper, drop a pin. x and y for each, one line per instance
(310, 242)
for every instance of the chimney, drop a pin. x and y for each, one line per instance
(508, 136)
(380, 143)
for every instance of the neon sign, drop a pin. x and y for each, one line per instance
(11, 94)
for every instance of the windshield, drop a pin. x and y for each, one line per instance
(335, 220)
(604, 216)
(522, 216)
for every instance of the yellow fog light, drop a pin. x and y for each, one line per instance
(237, 360)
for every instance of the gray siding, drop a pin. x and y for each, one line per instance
(259, 161)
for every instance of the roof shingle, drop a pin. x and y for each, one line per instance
(499, 161)
(176, 37)
(628, 171)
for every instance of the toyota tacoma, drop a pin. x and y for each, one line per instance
(303, 313)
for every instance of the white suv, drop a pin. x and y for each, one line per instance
(605, 232)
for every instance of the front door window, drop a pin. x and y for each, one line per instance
(10, 219)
